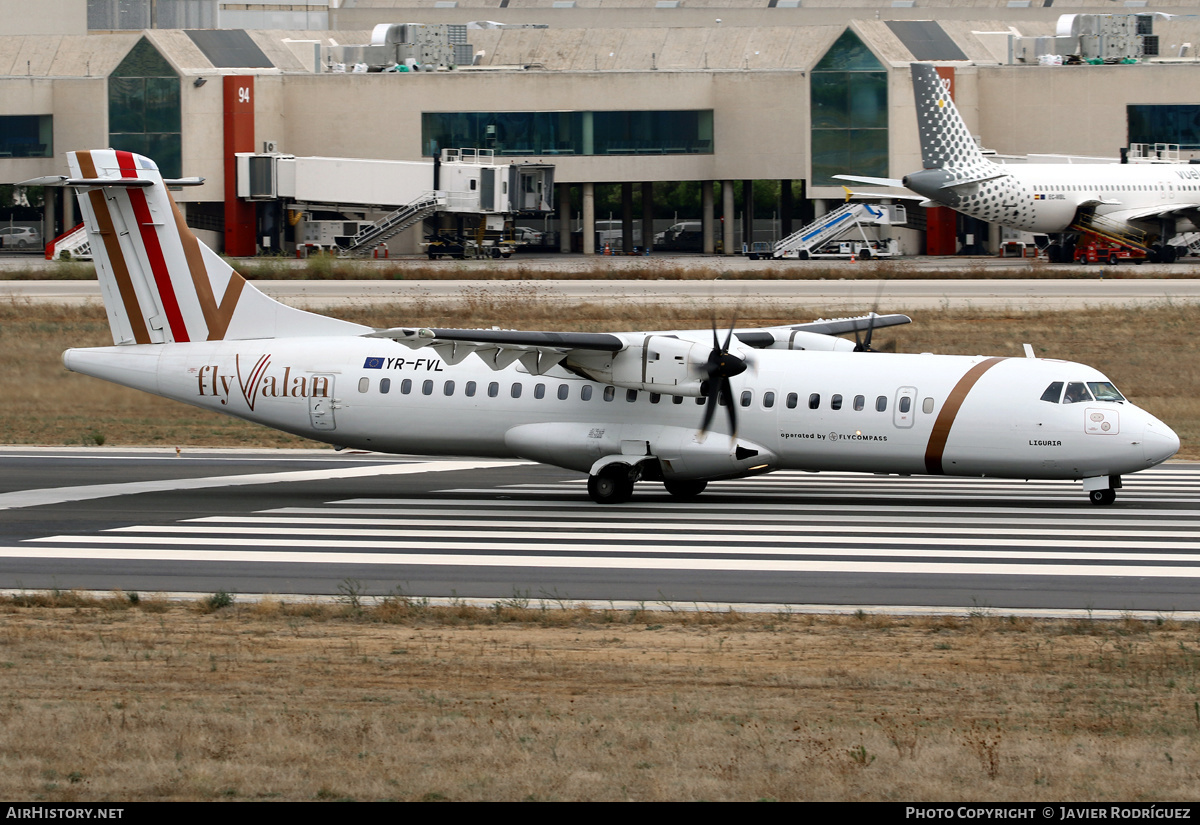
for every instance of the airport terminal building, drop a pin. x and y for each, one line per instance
(727, 96)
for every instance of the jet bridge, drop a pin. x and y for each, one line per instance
(468, 184)
(822, 237)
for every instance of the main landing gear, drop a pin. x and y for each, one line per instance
(614, 485)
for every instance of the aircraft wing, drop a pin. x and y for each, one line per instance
(1189, 210)
(538, 351)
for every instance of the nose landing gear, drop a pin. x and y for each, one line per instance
(1102, 489)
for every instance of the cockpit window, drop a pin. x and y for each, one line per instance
(1076, 391)
(1105, 391)
(1053, 392)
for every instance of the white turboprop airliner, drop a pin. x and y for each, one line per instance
(1130, 198)
(620, 407)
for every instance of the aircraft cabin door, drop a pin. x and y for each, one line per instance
(905, 409)
(321, 402)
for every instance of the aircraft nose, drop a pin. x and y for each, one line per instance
(1159, 442)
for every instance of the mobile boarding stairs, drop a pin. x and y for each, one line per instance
(823, 238)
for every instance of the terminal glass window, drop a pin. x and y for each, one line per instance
(1178, 123)
(144, 108)
(26, 136)
(848, 100)
(663, 132)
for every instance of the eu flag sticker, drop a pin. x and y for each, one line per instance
(373, 363)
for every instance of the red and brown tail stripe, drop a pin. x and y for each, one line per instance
(216, 316)
(112, 246)
(945, 419)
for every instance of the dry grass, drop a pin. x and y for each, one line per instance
(1152, 354)
(106, 700)
(534, 267)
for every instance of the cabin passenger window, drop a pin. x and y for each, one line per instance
(406, 386)
(927, 406)
(493, 389)
(747, 397)
(768, 399)
(448, 388)
(905, 404)
(1076, 391)
(585, 394)
(655, 397)
(610, 393)
(516, 390)
(539, 390)
(814, 401)
(469, 389)
(1053, 392)
(859, 403)
(385, 385)
(835, 402)
(427, 388)
(881, 403)
(631, 396)
(563, 392)
(792, 400)
(676, 399)
(364, 384)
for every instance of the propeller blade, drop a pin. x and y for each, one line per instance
(728, 390)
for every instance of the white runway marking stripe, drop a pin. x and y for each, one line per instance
(603, 531)
(58, 495)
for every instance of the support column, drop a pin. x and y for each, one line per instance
(706, 215)
(747, 213)
(564, 217)
(647, 216)
(69, 217)
(786, 204)
(727, 217)
(50, 194)
(626, 218)
(589, 218)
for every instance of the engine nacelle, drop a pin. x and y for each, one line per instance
(655, 363)
(813, 341)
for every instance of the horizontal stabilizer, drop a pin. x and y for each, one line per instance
(871, 181)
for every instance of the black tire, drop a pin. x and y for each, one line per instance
(685, 489)
(1083, 258)
(1107, 496)
(611, 485)
(1054, 253)
(1113, 259)
(802, 255)
(865, 254)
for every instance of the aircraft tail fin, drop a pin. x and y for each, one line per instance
(945, 141)
(159, 282)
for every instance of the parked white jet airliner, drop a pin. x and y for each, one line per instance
(1154, 199)
(619, 406)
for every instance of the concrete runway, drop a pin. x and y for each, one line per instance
(806, 296)
(303, 522)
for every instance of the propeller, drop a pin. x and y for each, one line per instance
(720, 367)
(864, 345)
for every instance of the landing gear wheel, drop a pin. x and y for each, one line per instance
(1107, 496)
(611, 485)
(685, 489)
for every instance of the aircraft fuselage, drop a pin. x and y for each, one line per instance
(871, 412)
